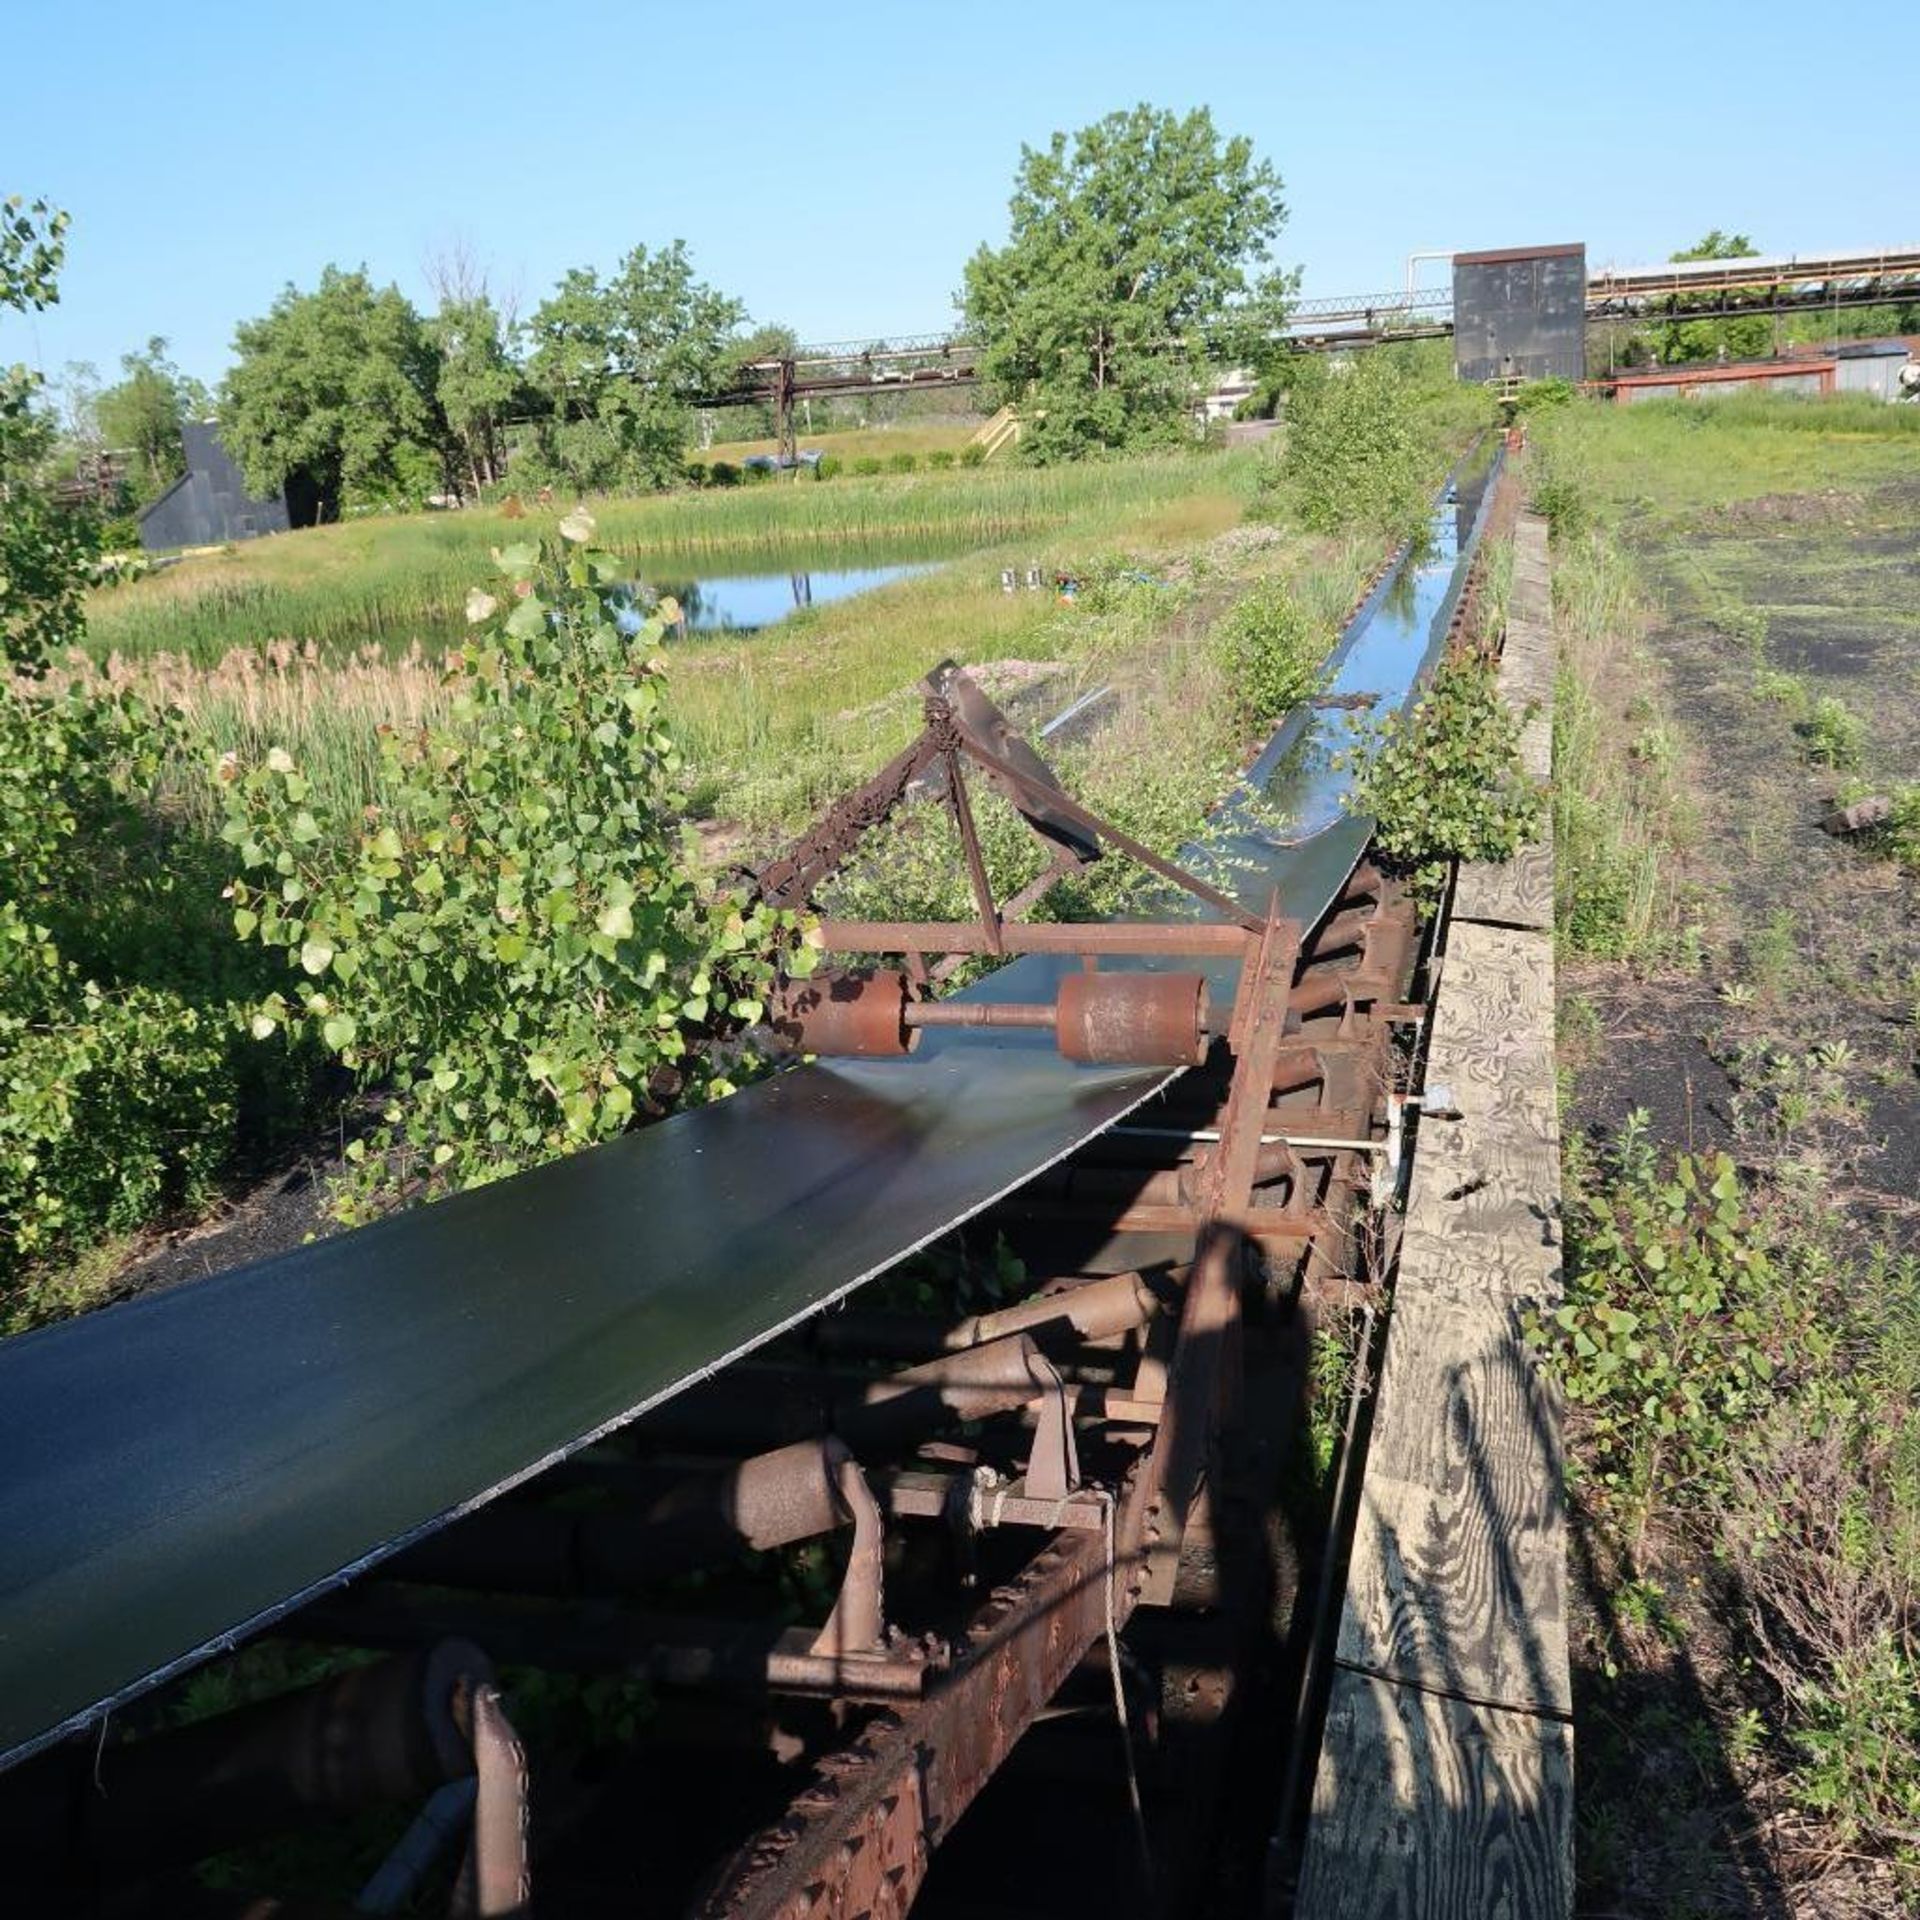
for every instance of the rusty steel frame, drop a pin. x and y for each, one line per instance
(860, 1838)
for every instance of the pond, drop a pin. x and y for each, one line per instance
(743, 602)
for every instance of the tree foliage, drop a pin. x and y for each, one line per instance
(143, 415)
(1745, 336)
(1138, 253)
(116, 1095)
(620, 364)
(336, 390)
(477, 382)
(512, 944)
(1444, 780)
(1356, 457)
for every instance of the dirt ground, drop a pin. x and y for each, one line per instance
(1795, 1042)
(1790, 1037)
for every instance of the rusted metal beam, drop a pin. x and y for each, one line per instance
(858, 1841)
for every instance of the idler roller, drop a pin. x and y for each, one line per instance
(1101, 1019)
(1133, 1019)
(863, 1014)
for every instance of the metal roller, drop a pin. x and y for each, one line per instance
(862, 1014)
(1133, 1019)
(1100, 1019)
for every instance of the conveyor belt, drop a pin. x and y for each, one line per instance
(179, 1470)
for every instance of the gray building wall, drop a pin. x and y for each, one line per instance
(209, 504)
(1685, 381)
(1520, 312)
(1873, 369)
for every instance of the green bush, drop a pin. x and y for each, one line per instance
(1832, 735)
(1355, 456)
(115, 1107)
(940, 459)
(867, 465)
(903, 463)
(1271, 651)
(723, 473)
(1674, 1325)
(1903, 831)
(973, 456)
(1540, 396)
(512, 944)
(826, 467)
(1444, 782)
(121, 1074)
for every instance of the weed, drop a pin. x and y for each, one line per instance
(1271, 651)
(1786, 690)
(1618, 803)
(1832, 735)
(1771, 952)
(1444, 783)
(1674, 1326)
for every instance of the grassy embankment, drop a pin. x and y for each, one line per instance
(1741, 1016)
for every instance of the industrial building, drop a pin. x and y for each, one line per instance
(209, 504)
(1520, 313)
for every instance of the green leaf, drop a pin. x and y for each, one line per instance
(338, 1031)
(316, 955)
(529, 619)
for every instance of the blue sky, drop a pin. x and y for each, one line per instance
(834, 167)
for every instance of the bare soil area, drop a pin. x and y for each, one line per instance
(1792, 1041)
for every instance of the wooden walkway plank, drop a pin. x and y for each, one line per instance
(1483, 1215)
(1433, 1809)
(1458, 1576)
(1444, 1789)
(1510, 893)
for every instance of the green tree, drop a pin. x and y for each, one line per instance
(1138, 253)
(512, 944)
(1741, 337)
(114, 1091)
(620, 365)
(43, 551)
(144, 413)
(478, 383)
(337, 390)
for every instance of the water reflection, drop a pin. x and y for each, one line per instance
(746, 602)
(1294, 791)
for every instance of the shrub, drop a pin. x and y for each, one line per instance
(1832, 735)
(940, 459)
(903, 463)
(1779, 689)
(723, 473)
(1271, 652)
(973, 456)
(512, 942)
(1444, 782)
(1540, 396)
(826, 467)
(118, 1074)
(1903, 830)
(1674, 1325)
(867, 465)
(1354, 457)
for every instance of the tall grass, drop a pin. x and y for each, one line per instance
(1618, 809)
(327, 711)
(1680, 456)
(394, 580)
